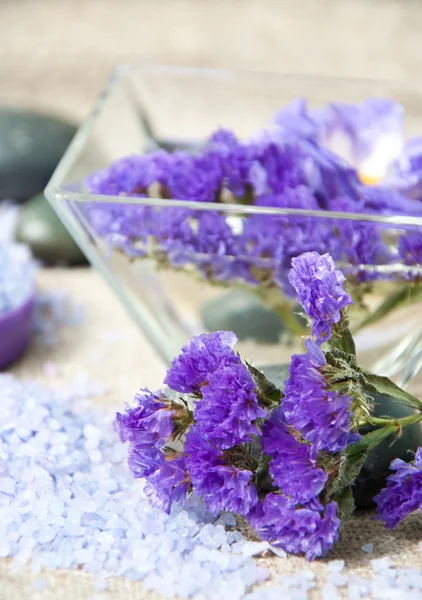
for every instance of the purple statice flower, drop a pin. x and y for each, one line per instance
(321, 415)
(320, 289)
(147, 427)
(144, 460)
(406, 172)
(169, 483)
(149, 424)
(235, 158)
(296, 529)
(358, 243)
(297, 120)
(195, 177)
(222, 485)
(370, 136)
(200, 358)
(229, 406)
(403, 494)
(293, 467)
(275, 168)
(131, 175)
(410, 248)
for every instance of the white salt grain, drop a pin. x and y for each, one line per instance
(254, 548)
(335, 566)
(369, 548)
(380, 565)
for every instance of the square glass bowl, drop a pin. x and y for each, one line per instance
(178, 275)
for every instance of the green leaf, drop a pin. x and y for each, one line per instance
(355, 455)
(343, 340)
(345, 503)
(383, 385)
(401, 297)
(268, 392)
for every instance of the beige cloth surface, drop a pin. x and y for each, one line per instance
(55, 54)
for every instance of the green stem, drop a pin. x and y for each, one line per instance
(386, 421)
(287, 316)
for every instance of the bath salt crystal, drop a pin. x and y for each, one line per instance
(329, 592)
(254, 548)
(369, 548)
(380, 565)
(17, 276)
(278, 551)
(64, 508)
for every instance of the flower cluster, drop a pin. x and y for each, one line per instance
(269, 458)
(320, 290)
(344, 158)
(403, 494)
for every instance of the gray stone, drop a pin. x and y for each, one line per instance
(245, 314)
(31, 145)
(40, 228)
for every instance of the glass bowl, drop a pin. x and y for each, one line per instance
(201, 282)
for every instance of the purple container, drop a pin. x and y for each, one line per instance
(15, 332)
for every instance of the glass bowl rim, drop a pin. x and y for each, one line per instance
(56, 192)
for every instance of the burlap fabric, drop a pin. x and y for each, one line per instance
(55, 55)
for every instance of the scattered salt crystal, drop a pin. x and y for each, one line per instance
(329, 592)
(335, 566)
(337, 579)
(227, 519)
(254, 548)
(278, 551)
(381, 564)
(369, 548)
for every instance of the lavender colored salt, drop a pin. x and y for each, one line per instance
(68, 500)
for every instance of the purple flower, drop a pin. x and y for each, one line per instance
(321, 415)
(369, 136)
(359, 243)
(223, 486)
(406, 172)
(296, 529)
(195, 177)
(199, 359)
(403, 494)
(147, 427)
(294, 464)
(235, 158)
(410, 248)
(144, 460)
(149, 423)
(275, 168)
(297, 120)
(320, 289)
(131, 175)
(168, 483)
(229, 406)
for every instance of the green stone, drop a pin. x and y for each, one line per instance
(31, 145)
(375, 470)
(244, 314)
(40, 228)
